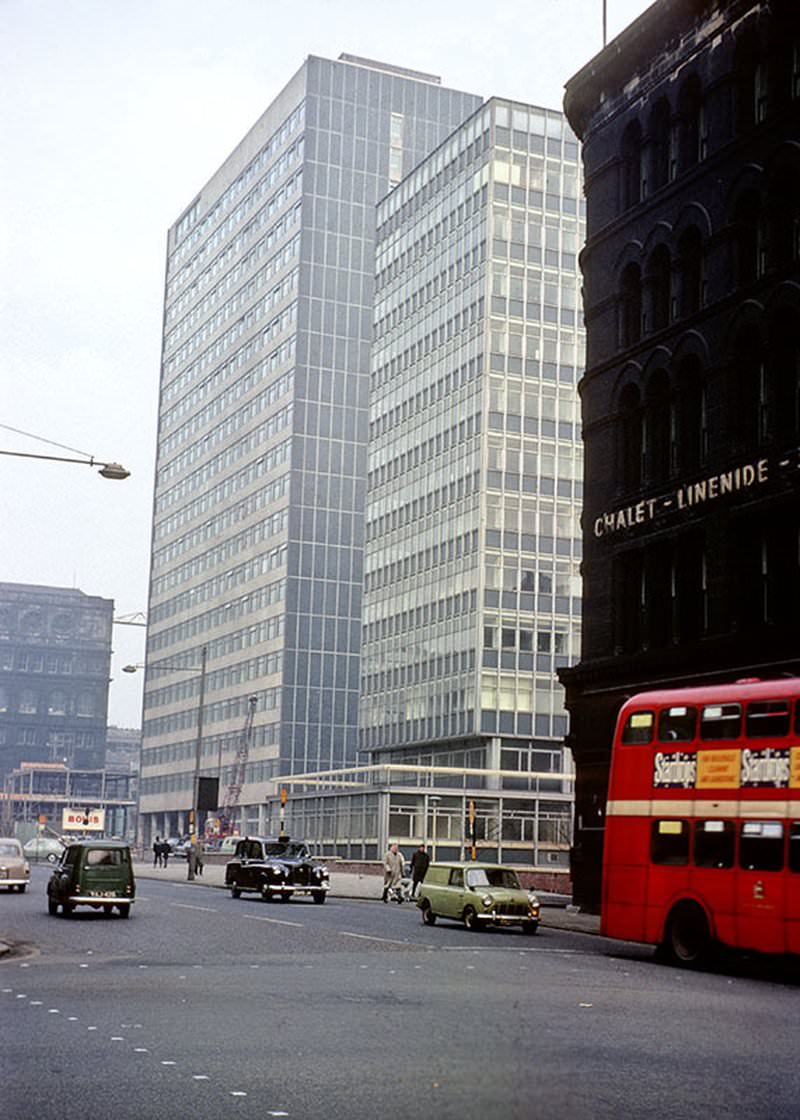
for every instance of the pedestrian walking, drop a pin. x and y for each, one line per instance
(419, 865)
(199, 855)
(157, 852)
(392, 870)
(165, 852)
(191, 859)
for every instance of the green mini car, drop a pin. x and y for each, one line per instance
(478, 894)
(96, 873)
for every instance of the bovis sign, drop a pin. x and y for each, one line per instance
(688, 495)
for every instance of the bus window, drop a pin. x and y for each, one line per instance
(721, 721)
(794, 846)
(638, 728)
(767, 719)
(669, 843)
(761, 846)
(714, 843)
(677, 725)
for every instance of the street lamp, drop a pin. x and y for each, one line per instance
(433, 801)
(108, 470)
(201, 669)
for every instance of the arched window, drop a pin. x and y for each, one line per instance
(631, 438)
(631, 305)
(690, 426)
(659, 127)
(659, 269)
(784, 375)
(691, 124)
(658, 427)
(27, 702)
(58, 703)
(749, 391)
(690, 261)
(631, 170)
(751, 79)
(748, 238)
(784, 225)
(86, 705)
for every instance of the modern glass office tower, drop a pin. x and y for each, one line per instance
(257, 552)
(472, 589)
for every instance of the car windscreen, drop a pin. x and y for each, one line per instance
(476, 877)
(503, 877)
(7, 849)
(286, 851)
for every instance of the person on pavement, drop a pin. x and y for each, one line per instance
(419, 865)
(157, 852)
(392, 870)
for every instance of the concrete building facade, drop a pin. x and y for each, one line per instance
(55, 659)
(261, 460)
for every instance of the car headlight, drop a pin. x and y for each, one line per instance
(534, 901)
(487, 901)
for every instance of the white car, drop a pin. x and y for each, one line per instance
(14, 868)
(43, 848)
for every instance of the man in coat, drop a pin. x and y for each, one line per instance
(419, 865)
(392, 870)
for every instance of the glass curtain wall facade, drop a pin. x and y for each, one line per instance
(257, 551)
(472, 588)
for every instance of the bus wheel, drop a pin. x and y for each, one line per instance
(687, 940)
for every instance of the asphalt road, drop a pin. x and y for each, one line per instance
(201, 1006)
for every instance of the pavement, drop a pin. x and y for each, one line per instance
(557, 910)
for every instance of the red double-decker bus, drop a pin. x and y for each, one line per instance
(702, 841)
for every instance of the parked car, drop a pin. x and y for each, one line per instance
(43, 848)
(177, 845)
(14, 868)
(275, 869)
(479, 895)
(96, 873)
(227, 845)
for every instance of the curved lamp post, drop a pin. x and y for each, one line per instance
(107, 470)
(201, 669)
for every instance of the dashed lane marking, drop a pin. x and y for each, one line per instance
(275, 921)
(188, 906)
(383, 940)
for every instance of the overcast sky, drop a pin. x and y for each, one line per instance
(113, 114)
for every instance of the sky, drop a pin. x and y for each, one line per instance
(113, 113)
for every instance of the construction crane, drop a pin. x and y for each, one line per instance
(234, 790)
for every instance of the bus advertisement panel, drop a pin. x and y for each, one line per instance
(702, 841)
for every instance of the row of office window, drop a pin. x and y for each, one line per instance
(265, 665)
(421, 399)
(220, 378)
(56, 702)
(226, 582)
(232, 708)
(229, 224)
(426, 505)
(183, 380)
(261, 160)
(234, 451)
(267, 630)
(23, 661)
(224, 491)
(423, 560)
(230, 516)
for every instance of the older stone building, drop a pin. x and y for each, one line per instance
(690, 122)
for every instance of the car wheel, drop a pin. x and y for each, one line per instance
(52, 857)
(235, 891)
(52, 906)
(428, 916)
(320, 896)
(471, 918)
(266, 893)
(124, 909)
(66, 909)
(21, 888)
(530, 927)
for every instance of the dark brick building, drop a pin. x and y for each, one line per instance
(55, 657)
(690, 122)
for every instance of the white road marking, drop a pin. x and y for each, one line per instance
(275, 921)
(140, 1050)
(169, 1063)
(72, 1019)
(199, 1077)
(91, 1028)
(6, 991)
(25, 966)
(83, 966)
(187, 906)
(238, 1093)
(22, 995)
(36, 1002)
(271, 1113)
(117, 1038)
(383, 940)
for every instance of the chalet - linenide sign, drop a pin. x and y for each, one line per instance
(687, 496)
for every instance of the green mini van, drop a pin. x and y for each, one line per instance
(96, 873)
(479, 895)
